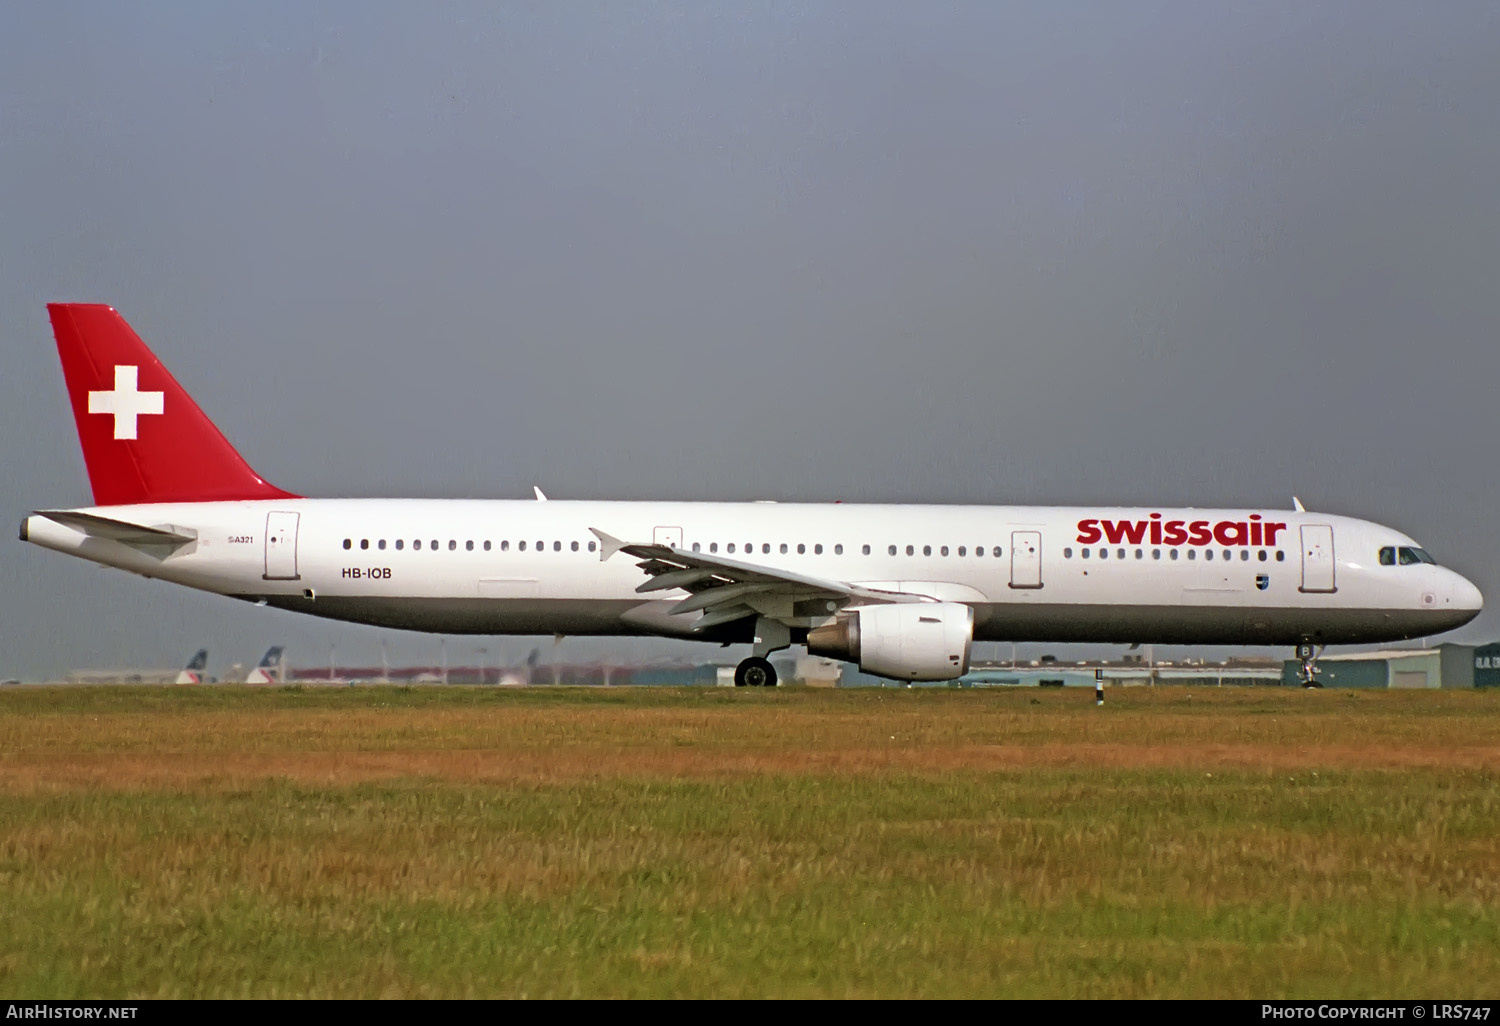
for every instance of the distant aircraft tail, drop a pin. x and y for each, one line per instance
(270, 670)
(193, 673)
(144, 439)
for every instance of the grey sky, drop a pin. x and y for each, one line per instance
(1147, 253)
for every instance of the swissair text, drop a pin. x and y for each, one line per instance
(1250, 531)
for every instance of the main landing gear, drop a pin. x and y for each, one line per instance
(757, 671)
(1309, 657)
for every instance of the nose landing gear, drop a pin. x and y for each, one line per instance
(1309, 657)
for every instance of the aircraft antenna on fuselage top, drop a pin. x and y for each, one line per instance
(1297, 505)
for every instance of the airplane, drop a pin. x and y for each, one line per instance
(901, 590)
(269, 670)
(193, 672)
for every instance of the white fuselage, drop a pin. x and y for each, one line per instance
(514, 567)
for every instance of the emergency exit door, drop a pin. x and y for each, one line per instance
(1317, 558)
(281, 546)
(1025, 559)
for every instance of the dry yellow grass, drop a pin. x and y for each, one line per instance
(449, 842)
(347, 736)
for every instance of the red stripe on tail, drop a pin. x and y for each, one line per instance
(144, 439)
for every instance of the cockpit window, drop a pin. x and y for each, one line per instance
(1388, 556)
(1411, 555)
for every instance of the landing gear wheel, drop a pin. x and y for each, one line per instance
(755, 672)
(1309, 657)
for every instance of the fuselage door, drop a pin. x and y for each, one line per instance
(1317, 558)
(671, 536)
(281, 546)
(1025, 559)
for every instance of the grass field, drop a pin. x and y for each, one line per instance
(223, 841)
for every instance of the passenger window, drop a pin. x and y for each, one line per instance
(521, 546)
(1156, 553)
(1280, 556)
(911, 550)
(731, 546)
(963, 550)
(469, 545)
(1228, 555)
(486, 545)
(557, 546)
(364, 543)
(452, 545)
(1208, 553)
(817, 548)
(434, 545)
(1084, 553)
(713, 546)
(1244, 555)
(865, 549)
(1174, 553)
(1261, 555)
(400, 544)
(541, 546)
(1139, 554)
(765, 548)
(416, 543)
(1120, 553)
(997, 552)
(1388, 556)
(1103, 553)
(1067, 553)
(801, 549)
(926, 550)
(1192, 553)
(943, 551)
(505, 545)
(783, 548)
(591, 546)
(838, 550)
(348, 544)
(380, 545)
(891, 550)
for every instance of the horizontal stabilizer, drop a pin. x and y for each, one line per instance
(122, 531)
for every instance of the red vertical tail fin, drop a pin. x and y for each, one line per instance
(144, 439)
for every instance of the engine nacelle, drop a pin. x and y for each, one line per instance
(905, 641)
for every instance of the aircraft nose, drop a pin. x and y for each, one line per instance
(1465, 595)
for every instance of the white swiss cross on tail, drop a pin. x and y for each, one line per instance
(125, 403)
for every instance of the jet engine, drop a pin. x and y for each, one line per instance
(906, 641)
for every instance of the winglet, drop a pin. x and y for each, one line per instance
(539, 496)
(608, 543)
(1297, 504)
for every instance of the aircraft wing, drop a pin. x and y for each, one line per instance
(724, 590)
(166, 536)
